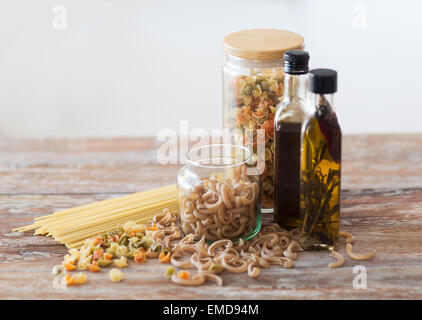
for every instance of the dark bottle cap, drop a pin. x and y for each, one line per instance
(296, 62)
(323, 81)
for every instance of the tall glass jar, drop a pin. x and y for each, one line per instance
(252, 87)
(218, 198)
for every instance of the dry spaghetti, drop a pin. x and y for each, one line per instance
(71, 227)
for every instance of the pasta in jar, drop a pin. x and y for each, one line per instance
(250, 105)
(217, 198)
(252, 88)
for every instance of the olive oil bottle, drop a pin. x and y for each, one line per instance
(320, 172)
(291, 113)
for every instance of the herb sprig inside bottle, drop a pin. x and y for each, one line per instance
(321, 166)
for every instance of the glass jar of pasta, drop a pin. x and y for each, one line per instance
(217, 197)
(252, 88)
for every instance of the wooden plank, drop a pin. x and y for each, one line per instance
(388, 221)
(130, 165)
(381, 205)
(382, 161)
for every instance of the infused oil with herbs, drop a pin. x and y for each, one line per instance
(320, 172)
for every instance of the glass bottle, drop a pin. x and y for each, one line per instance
(291, 113)
(321, 165)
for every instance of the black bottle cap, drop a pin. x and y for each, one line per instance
(323, 81)
(296, 62)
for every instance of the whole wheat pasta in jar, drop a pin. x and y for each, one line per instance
(252, 87)
(217, 197)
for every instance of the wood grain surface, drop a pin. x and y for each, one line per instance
(381, 205)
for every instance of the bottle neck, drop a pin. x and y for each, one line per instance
(294, 86)
(318, 99)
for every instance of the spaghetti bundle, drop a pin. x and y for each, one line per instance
(72, 226)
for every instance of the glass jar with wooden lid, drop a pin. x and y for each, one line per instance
(252, 87)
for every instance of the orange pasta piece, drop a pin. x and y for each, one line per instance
(69, 266)
(164, 258)
(183, 274)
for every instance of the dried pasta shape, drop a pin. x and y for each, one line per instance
(213, 277)
(359, 256)
(350, 238)
(253, 270)
(338, 257)
(196, 280)
(234, 265)
(179, 264)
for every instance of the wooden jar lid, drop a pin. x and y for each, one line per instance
(261, 44)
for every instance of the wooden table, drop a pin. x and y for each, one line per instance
(381, 205)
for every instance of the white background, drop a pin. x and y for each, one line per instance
(131, 68)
